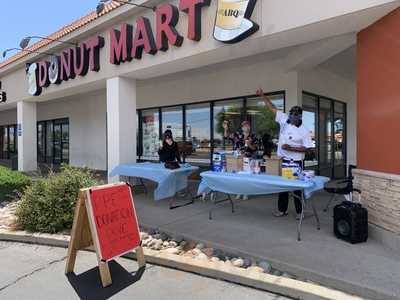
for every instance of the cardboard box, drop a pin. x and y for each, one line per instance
(274, 165)
(234, 164)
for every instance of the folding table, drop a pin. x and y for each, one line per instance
(259, 184)
(170, 182)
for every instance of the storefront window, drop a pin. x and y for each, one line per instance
(53, 141)
(198, 132)
(172, 119)
(262, 120)
(8, 141)
(150, 127)
(231, 111)
(41, 140)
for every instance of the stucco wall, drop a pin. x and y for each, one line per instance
(379, 95)
(232, 79)
(325, 83)
(8, 117)
(87, 123)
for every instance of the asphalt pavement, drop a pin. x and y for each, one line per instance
(37, 272)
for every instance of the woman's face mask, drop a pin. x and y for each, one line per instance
(246, 129)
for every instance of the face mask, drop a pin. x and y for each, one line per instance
(246, 129)
(295, 119)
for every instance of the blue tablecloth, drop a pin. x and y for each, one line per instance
(252, 184)
(169, 181)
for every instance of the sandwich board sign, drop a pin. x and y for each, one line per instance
(105, 218)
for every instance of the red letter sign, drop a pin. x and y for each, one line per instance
(93, 46)
(121, 44)
(167, 17)
(193, 9)
(114, 220)
(144, 39)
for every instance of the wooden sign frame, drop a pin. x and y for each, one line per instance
(83, 236)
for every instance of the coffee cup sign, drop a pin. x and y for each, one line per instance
(232, 22)
(230, 14)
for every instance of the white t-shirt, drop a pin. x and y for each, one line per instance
(293, 136)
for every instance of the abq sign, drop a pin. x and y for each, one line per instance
(128, 42)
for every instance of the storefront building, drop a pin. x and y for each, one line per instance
(190, 64)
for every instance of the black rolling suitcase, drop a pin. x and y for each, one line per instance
(351, 222)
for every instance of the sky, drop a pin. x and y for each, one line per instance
(20, 18)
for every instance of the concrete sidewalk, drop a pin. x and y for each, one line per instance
(367, 270)
(37, 272)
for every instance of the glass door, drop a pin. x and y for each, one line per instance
(325, 137)
(326, 120)
(310, 121)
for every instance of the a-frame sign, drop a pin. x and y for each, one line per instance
(105, 218)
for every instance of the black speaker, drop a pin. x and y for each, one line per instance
(350, 222)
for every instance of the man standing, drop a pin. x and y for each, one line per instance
(294, 141)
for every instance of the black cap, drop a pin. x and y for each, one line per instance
(296, 110)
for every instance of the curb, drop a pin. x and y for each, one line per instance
(219, 270)
(335, 283)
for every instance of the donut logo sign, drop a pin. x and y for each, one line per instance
(233, 23)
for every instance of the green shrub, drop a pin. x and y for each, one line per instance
(48, 204)
(11, 182)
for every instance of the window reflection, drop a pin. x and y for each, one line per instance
(262, 120)
(172, 119)
(230, 111)
(198, 133)
(150, 125)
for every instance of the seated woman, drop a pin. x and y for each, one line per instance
(169, 151)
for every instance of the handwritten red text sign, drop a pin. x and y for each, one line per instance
(114, 218)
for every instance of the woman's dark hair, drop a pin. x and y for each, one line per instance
(167, 135)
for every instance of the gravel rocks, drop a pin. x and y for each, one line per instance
(238, 262)
(177, 239)
(265, 266)
(164, 236)
(202, 256)
(246, 263)
(172, 244)
(200, 246)
(208, 251)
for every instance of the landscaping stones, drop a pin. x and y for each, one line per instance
(219, 254)
(177, 239)
(176, 245)
(246, 263)
(265, 266)
(202, 256)
(238, 262)
(189, 246)
(144, 236)
(164, 236)
(200, 246)
(277, 273)
(172, 244)
(208, 251)
(215, 259)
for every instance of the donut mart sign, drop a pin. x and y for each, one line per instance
(129, 42)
